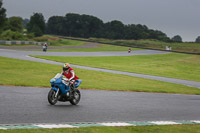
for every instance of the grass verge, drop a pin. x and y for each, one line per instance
(56, 41)
(101, 47)
(26, 73)
(61, 42)
(154, 44)
(174, 65)
(130, 129)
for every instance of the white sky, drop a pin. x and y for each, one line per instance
(173, 17)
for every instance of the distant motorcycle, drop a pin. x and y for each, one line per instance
(129, 50)
(44, 48)
(62, 92)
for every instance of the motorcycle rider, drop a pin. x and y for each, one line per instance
(45, 47)
(129, 50)
(69, 76)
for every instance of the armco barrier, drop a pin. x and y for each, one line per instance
(21, 42)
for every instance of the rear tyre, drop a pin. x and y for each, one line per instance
(76, 96)
(51, 97)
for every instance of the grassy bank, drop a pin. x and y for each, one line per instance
(54, 41)
(59, 43)
(131, 129)
(154, 44)
(174, 65)
(101, 47)
(27, 73)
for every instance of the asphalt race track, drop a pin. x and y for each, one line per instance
(30, 104)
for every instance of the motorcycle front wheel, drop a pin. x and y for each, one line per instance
(51, 97)
(76, 96)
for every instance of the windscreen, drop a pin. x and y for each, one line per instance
(57, 75)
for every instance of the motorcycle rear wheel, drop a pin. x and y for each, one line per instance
(51, 97)
(76, 97)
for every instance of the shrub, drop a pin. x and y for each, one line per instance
(30, 35)
(177, 38)
(11, 35)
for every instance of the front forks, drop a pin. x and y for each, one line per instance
(57, 93)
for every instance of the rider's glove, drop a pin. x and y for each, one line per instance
(67, 80)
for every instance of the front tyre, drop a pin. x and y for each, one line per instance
(76, 96)
(51, 97)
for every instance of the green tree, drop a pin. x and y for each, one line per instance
(114, 30)
(197, 39)
(130, 31)
(77, 25)
(2, 16)
(25, 22)
(15, 24)
(72, 24)
(37, 31)
(90, 25)
(177, 38)
(55, 25)
(36, 24)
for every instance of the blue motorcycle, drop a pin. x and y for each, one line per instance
(62, 92)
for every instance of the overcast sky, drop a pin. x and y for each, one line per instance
(173, 17)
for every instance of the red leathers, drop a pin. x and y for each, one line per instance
(70, 75)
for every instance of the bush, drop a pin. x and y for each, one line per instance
(30, 35)
(11, 35)
(177, 38)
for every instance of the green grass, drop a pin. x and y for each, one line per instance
(56, 41)
(101, 47)
(174, 65)
(130, 129)
(61, 42)
(26, 73)
(66, 42)
(154, 44)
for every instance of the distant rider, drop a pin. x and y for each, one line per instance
(129, 50)
(45, 47)
(69, 76)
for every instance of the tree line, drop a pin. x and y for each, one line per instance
(86, 26)
(76, 25)
(16, 28)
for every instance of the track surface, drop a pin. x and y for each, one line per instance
(30, 105)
